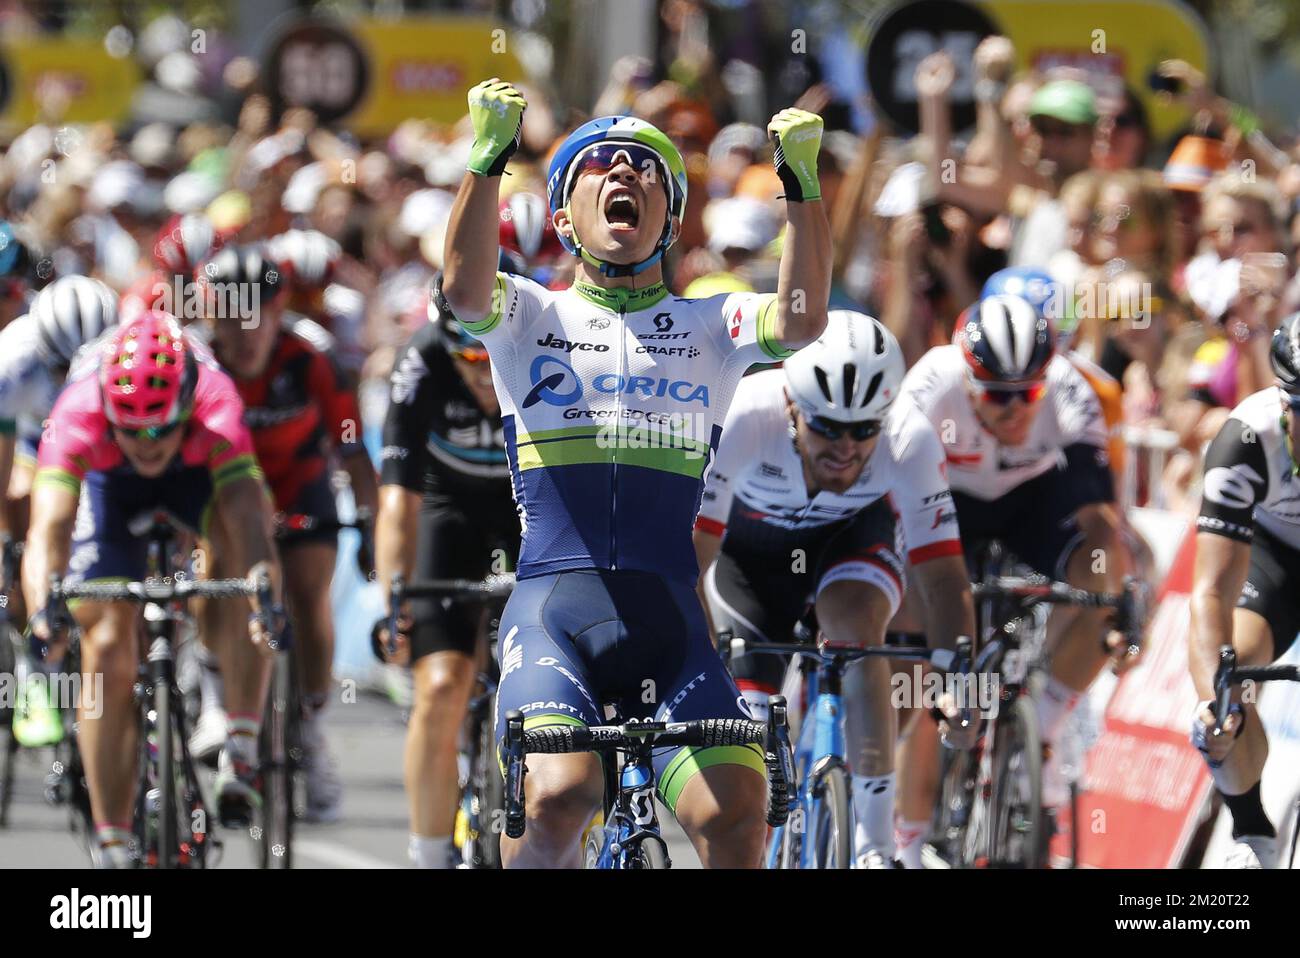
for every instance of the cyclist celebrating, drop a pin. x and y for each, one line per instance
(813, 463)
(148, 422)
(1026, 451)
(299, 413)
(445, 511)
(612, 395)
(35, 353)
(1244, 586)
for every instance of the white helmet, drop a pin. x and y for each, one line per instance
(69, 313)
(851, 373)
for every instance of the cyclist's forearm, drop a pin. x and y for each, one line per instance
(395, 533)
(1221, 568)
(361, 475)
(470, 250)
(949, 611)
(245, 512)
(804, 286)
(49, 542)
(7, 447)
(707, 547)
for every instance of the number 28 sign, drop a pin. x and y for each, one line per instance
(907, 35)
(319, 65)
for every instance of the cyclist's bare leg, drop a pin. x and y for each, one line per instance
(246, 670)
(917, 755)
(857, 613)
(444, 682)
(108, 731)
(1076, 634)
(308, 572)
(723, 811)
(918, 782)
(561, 794)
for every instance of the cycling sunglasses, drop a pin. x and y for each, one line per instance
(470, 354)
(603, 157)
(153, 433)
(832, 430)
(1028, 393)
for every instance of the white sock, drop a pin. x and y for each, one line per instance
(873, 814)
(1054, 707)
(211, 693)
(910, 839)
(430, 852)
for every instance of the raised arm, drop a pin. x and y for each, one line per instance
(496, 111)
(804, 283)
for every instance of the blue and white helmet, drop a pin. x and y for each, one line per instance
(559, 182)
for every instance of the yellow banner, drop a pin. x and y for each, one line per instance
(1124, 38)
(422, 67)
(97, 86)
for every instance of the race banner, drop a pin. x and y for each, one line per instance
(87, 82)
(1117, 42)
(1144, 784)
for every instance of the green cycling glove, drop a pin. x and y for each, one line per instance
(496, 110)
(798, 135)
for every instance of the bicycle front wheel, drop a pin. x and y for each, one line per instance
(956, 804)
(652, 854)
(166, 780)
(489, 797)
(1017, 829)
(830, 827)
(278, 740)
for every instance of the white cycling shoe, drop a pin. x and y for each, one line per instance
(874, 858)
(209, 734)
(324, 786)
(1253, 851)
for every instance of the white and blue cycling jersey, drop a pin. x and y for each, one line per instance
(612, 403)
(28, 388)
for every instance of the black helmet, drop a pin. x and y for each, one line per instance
(225, 275)
(1284, 354)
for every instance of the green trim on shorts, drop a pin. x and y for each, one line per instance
(8, 427)
(541, 720)
(73, 604)
(691, 760)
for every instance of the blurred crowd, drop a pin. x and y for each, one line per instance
(1174, 260)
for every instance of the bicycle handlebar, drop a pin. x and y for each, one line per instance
(1029, 591)
(495, 586)
(159, 591)
(772, 735)
(1229, 674)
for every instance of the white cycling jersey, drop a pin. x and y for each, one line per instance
(612, 402)
(978, 465)
(755, 491)
(27, 387)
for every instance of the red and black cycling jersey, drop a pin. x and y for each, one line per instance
(437, 440)
(298, 410)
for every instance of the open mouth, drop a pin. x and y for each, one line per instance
(622, 212)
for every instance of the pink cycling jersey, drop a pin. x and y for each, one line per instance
(77, 439)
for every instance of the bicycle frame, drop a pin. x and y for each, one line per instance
(631, 817)
(820, 747)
